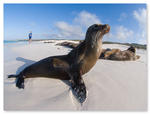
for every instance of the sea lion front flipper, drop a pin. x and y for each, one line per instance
(20, 82)
(78, 87)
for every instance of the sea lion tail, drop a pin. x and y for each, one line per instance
(12, 76)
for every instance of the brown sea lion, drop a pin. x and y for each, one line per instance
(71, 66)
(68, 44)
(107, 53)
(118, 55)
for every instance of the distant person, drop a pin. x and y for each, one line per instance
(30, 36)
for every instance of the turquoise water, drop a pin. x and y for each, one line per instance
(12, 41)
(5, 41)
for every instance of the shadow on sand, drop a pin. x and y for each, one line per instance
(27, 62)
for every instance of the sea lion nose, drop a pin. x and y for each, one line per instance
(107, 27)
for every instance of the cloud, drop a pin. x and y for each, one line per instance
(86, 19)
(122, 16)
(140, 16)
(69, 31)
(75, 30)
(123, 33)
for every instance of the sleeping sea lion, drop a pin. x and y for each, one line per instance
(71, 66)
(118, 55)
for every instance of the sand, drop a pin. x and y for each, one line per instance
(111, 85)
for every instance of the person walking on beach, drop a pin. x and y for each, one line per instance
(30, 36)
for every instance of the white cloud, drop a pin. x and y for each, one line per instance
(75, 30)
(67, 30)
(123, 33)
(141, 17)
(86, 19)
(122, 16)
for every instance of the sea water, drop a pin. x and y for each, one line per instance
(14, 41)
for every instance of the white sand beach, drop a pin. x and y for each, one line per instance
(111, 85)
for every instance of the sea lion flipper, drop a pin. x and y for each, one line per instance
(12, 76)
(80, 92)
(78, 87)
(20, 82)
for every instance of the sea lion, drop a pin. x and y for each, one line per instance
(118, 55)
(107, 52)
(71, 66)
(103, 53)
(68, 44)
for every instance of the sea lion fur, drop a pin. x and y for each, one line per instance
(118, 55)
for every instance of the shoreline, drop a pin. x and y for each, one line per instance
(136, 45)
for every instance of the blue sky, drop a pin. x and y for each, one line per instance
(70, 21)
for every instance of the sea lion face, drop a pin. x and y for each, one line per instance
(94, 29)
(95, 33)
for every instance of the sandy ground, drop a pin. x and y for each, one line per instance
(111, 85)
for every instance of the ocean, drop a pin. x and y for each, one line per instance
(12, 41)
